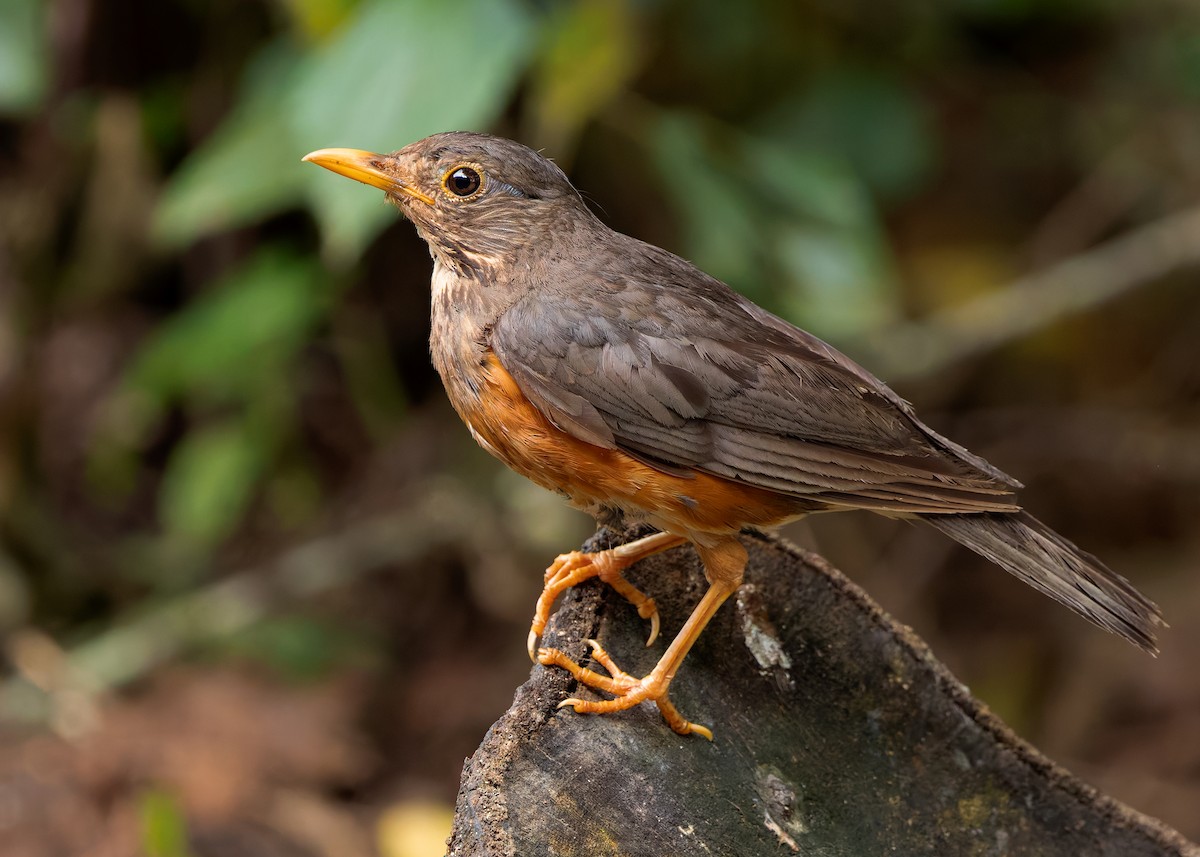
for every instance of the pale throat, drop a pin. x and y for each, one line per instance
(454, 301)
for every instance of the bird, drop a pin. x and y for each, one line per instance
(641, 389)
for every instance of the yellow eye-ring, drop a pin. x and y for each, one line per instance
(464, 181)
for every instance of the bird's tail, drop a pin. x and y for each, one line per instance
(1027, 548)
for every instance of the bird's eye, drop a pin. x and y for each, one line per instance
(463, 181)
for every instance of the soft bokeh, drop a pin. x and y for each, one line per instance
(259, 591)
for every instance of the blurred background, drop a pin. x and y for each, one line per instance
(260, 593)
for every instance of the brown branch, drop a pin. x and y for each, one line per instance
(1030, 303)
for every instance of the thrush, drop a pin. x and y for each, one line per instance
(638, 387)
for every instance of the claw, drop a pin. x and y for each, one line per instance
(570, 569)
(654, 625)
(626, 690)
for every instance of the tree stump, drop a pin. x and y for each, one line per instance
(836, 733)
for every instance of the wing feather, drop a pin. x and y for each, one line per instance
(734, 392)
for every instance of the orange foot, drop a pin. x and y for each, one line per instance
(576, 567)
(629, 691)
(724, 565)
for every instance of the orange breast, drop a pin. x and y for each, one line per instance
(511, 428)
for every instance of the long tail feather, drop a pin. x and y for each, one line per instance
(1027, 548)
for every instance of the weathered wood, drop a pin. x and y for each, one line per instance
(837, 733)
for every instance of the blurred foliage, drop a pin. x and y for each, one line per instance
(811, 225)
(22, 55)
(225, 354)
(296, 93)
(780, 177)
(295, 647)
(592, 49)
(164, 829)
(210, 351)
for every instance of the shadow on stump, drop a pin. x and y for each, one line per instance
(837, 733)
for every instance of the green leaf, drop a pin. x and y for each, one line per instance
(1171, 61)
(395, 73)
(825, 239)
(316, 19)
(792, 228)
(591, 50)
(246, 170)
(230, 347)
(873, 122)
(232, 340)
(720, 229)
(164, 830)
(24, 55)
(209, 482)
(840, 282)
(298, 647)
(392, 73)
(804, 182)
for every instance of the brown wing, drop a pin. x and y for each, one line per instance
(681, 372)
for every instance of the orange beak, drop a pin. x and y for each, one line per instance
(365, 167)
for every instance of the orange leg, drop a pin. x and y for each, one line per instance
(576, 567)
(724, 565)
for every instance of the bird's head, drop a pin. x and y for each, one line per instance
(476, 199)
